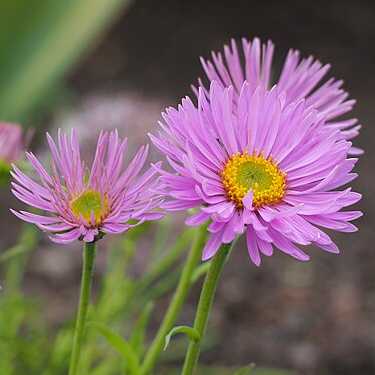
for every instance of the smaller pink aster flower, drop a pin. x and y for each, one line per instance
(83, 204)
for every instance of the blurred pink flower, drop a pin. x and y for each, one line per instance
(12, 142)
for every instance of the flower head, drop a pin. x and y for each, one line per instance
(12, 145)
(85, 204)
(300, 78)
(268, 169)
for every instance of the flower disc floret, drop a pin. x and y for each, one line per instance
(244, 172)
(91, 205)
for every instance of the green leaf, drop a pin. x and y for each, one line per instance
(138, 337)
(60, 351)
(105, 368)
(162, 264)
(117, 287)
(120, 345)
(39, 41)
(200, 271)
(27, 242)
(162, 235)
(245, 370)
(192, 333)
(208, 370)
(17, 257)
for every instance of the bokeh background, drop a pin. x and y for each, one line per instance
(97, 64)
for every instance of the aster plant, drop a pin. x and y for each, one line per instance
(267, 159)
(253, 161)
(85, 205)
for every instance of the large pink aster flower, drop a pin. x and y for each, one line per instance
(269, 169)
(299, 78)
(85, 205)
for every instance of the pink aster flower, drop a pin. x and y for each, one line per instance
(269, 169)
(299, 78)
(12, 144)
(85, 204)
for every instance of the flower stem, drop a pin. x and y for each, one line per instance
(89, 250)
(177, 301)
(204, 307)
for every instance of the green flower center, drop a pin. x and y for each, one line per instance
(90, 204)
(251, 174)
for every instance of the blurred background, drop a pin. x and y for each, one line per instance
(97, 64)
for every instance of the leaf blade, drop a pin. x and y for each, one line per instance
(192, 333)
(119, 344)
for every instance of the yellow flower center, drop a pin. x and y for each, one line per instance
(243, 172)
(90, 203)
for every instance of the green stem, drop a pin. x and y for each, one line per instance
(204, 307)
(84, 299)
(176, 303)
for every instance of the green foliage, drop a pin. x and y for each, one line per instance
(121, 345)
(203, 370)
(125, 303)
(200, 271)
(16, 351)
(138, 336)
(122, 312)
(27, 242)
(39, 41)
(248, 370)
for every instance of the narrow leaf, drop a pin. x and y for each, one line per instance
(161, 265)
(139, 332)
(200, 271)
(120, 345)
(41, 41)
(245, 370)
(192, 333)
